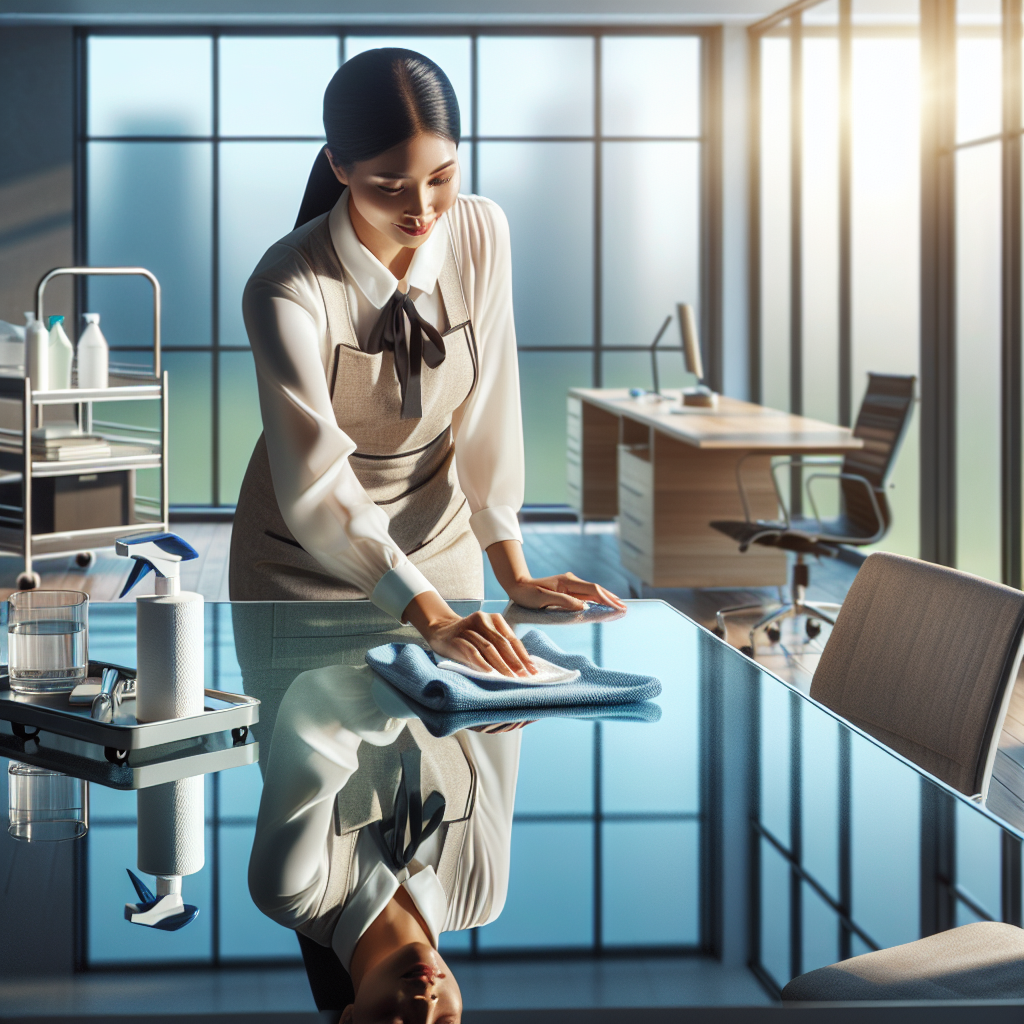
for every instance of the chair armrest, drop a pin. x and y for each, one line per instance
(856, 478)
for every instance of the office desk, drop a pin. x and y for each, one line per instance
(747, 823)
(667, 475)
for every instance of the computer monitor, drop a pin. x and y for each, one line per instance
(691, 340)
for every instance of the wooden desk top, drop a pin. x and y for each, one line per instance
(733, 425)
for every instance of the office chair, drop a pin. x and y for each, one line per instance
(924, 658)
(864, 515)
(984, 960)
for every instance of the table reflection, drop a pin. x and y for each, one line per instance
(747, 825)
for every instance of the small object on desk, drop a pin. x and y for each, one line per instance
(168, 630)
(104, 702)
(699, 397)
(47, 638)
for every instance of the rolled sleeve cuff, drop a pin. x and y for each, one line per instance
(397, 587)
(493, 524)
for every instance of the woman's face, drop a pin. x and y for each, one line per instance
(412, 985)
(401, 193)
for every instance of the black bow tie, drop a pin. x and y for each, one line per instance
(410, 810)
(389, 333)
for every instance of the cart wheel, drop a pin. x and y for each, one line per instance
(115, 756)
(28, 581)
(25, 732)
(239, 735)
(813, 628)
(774, 634)
(85, 559)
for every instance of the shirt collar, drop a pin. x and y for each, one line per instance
(372, 278)
(365, 905)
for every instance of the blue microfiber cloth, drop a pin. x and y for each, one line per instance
(443, 723)
(412, 670)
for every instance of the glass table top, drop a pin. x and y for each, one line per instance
(746, 824)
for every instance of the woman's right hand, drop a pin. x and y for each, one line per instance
(479, 640)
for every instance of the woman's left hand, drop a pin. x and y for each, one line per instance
(564, 591)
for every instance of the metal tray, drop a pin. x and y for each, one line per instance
(55, 715)
(152, 766)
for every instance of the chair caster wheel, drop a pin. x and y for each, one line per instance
(115, 756)
(239, 735)
(813, 628)
(85, 559)
(774, 634)
(28, 581)
(719, 632)
(747, 650)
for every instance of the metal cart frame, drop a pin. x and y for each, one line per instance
(16, 536)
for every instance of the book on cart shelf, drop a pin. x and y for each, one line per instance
(70, 449)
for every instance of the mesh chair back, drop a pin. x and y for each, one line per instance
(924, 658)
(881, 424)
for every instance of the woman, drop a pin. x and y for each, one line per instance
(385, 355)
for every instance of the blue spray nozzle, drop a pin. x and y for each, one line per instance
(162, 553)
(51, 320)
(166, 913)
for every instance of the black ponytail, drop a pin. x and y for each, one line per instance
(377, 100)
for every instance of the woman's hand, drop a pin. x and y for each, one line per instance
(565, 591)
(480, 640)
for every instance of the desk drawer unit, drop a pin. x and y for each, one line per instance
(636, 509)
(591, 438)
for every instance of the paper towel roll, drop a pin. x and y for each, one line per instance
(169, 648)
(171, 828)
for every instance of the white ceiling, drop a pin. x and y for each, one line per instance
(383, 11)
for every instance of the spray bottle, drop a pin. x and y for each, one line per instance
(168, 630)
(61, 355)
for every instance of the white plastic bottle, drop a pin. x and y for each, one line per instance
(93, 355)
(61, 355)
(37, 355)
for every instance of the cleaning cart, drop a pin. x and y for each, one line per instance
(57, 507)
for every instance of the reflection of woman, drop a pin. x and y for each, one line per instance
(385, 354)
(323, 858)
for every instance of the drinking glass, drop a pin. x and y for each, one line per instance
(47, 640)
(45, 806)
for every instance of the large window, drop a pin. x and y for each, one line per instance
(600, 147)
(887, 230)
(837, 223)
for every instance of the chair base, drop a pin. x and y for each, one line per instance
(796, 606)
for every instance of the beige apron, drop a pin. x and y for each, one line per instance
(369, 796)
(407, 467)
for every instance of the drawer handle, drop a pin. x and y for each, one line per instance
(631, 490)
(633, 519)
(632, 547)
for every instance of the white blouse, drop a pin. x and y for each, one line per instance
(324, 716)
(322, 502)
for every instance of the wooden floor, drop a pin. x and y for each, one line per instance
(593, 554)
